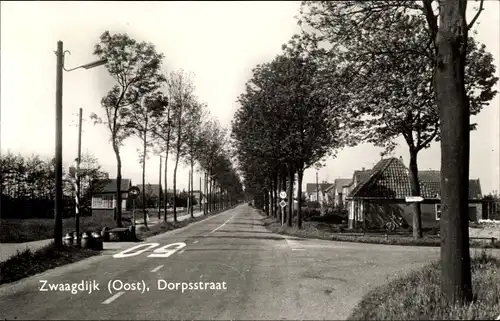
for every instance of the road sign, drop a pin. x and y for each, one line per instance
(133, 192)
(414, 199)
(283, 194)
(282, 203)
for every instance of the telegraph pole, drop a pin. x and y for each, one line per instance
(159, 191)
(199, 200)
(58, 208)
(77, 174)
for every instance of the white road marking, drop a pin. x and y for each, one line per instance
(195, 241)
(298, 249)
(156, 269)
(224, 223)
(114, 297)
(181, 251)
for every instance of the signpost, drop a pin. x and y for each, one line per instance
(283, 204)
(414, 199)
(133, 192)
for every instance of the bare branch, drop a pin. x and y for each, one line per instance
(469, 26)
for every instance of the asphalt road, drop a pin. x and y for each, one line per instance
(266, 276)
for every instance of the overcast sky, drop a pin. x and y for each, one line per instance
(220, 42)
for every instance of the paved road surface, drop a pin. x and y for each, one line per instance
(266, 276)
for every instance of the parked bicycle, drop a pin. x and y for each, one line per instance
(396, 223)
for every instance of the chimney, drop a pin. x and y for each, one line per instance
(363, 169)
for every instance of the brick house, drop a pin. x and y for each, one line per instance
(380, 197)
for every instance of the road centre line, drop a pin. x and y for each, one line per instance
(156, 269)
(114, 297)
(224, 223)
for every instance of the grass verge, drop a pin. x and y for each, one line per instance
(168, 226)
(417, 296)
(311, 230)
(29, 263)
(27, 230)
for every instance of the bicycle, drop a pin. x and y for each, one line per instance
(393, 225)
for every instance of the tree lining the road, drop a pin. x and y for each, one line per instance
(144, 118)
(286, 123)
(136, 69)
(163, 112)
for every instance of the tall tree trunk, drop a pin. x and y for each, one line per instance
(144, 213)
(299, 197)
(271, 198)
(415, 191)
(191, 192)
(276, 197)
(175, 185)
(283, 188)
(205, 191)
(165, 195)
(210, 182)
(291, 176)
(118, 197)
(452, 102)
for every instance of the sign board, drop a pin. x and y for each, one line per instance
(282, 203)
(283, 194)
(133, 192)
(413, 199)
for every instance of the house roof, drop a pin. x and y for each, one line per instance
(311, 187)
(152, 189)
(109, 185)
(341, 182)
(432, 181)
(390, 179)
(361, 175)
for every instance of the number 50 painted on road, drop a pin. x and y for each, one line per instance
(164, 251)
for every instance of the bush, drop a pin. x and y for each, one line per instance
(329, 219)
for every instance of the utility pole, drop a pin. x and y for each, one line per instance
(159, 191)
(58, 208)
(78, 187)
(199, 200)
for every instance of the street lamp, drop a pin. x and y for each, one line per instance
(58, 161)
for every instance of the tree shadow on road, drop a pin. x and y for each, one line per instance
(261, 232)
(276, 238)
(253, 224)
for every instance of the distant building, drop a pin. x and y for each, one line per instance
(313, 192)
(381, 196)
(104, 195)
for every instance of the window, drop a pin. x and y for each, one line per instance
(438, 212)
(104, 201)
